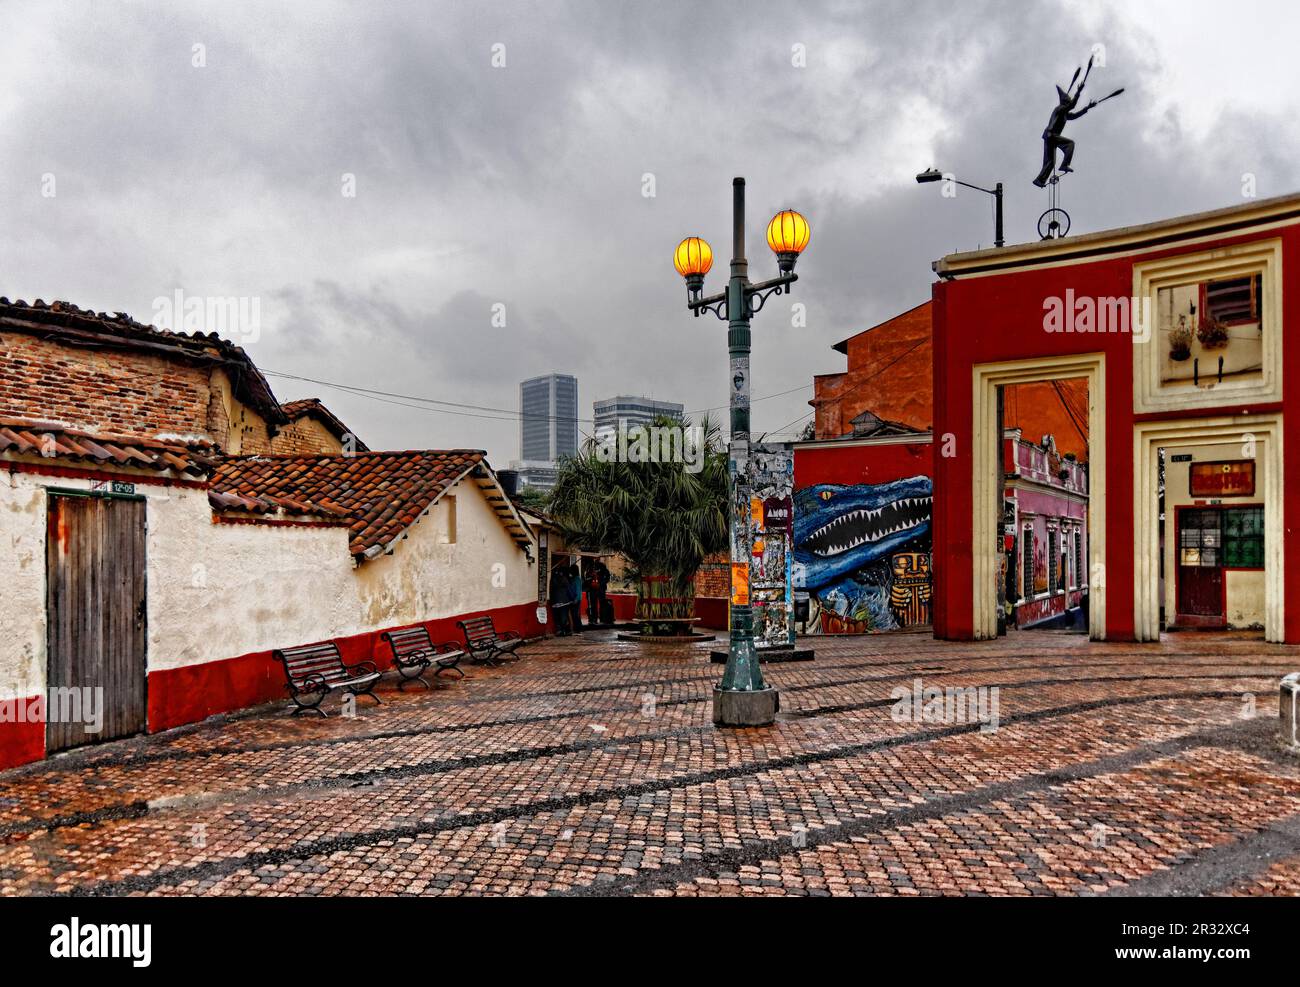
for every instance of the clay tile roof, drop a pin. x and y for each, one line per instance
(384, 492)
(296, 409)
(314, 407)
(223, 501)
(50, 440)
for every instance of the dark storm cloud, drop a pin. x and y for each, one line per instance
(518, 190)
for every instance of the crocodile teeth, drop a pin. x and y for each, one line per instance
(869, 524)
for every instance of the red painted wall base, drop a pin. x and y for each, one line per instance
(21, 743)
(711, 610)
(194, 692)
(185, 695)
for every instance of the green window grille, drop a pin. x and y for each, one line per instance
(1243, 537)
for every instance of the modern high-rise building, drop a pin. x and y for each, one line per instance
(626, 411)
(548, 427)
(548, 418)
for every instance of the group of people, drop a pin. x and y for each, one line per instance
(568, 583)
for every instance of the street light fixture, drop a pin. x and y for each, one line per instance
(935, 175)
(742, 699)
(693, 260)
(787, 235)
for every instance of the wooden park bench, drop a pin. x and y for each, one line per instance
(485, 645)
(414, 652)
(316, 670)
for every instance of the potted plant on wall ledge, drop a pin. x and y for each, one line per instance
(1180, 340)
(1212, 333)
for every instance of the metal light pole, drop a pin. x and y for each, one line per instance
(934, 175)
(743, 698)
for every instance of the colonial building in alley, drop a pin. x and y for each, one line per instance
(166, 523)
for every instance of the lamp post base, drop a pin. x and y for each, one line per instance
(753, 708)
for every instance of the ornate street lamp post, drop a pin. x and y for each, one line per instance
(743, 698)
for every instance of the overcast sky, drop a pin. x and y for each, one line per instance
(523, 185)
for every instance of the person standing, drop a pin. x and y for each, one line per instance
(560, 593)
(596, 584)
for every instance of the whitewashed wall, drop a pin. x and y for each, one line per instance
(221, 590)
(22, 586)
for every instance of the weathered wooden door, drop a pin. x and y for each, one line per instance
(1200, 568)
(95, 607)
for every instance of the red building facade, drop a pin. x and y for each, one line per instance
(1178, 331)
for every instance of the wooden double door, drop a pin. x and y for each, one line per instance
(95, 609)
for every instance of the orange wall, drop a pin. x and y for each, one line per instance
(1039, 409)
(891, 373)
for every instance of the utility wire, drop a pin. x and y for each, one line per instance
(499, 414)
(1069, 411)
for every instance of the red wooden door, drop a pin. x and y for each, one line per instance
(1200, 591)
(1200, 567)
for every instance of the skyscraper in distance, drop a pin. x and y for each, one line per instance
(626, 411)
(548, 426)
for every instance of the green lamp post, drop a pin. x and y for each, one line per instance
(742, 698)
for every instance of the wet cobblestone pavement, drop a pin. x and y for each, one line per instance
(593, 768)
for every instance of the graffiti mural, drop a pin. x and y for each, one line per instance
(862, 552)
(770, 515)
(909, 590)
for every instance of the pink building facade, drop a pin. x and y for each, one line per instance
(1045, 534)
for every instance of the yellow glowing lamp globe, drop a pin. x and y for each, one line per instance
(787, 235)
(693, 257)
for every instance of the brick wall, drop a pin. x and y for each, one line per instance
(247, 435)
(123, 391)
(889, 373)
(109, 390)
(305, 437)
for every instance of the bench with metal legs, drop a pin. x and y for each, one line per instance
(315, 670)
(414, 653)
(484, 645)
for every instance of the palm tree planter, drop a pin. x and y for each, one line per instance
(663, 609)
(663, 515)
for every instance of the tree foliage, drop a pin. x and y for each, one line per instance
(660, 516)
(533, 498)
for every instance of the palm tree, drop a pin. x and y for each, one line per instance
(664, 518)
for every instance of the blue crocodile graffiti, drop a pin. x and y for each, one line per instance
(844, 538)
(840, 528)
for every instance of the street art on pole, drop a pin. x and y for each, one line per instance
(771, 560)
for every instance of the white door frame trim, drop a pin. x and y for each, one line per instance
(987, 512)
(1148, 437)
